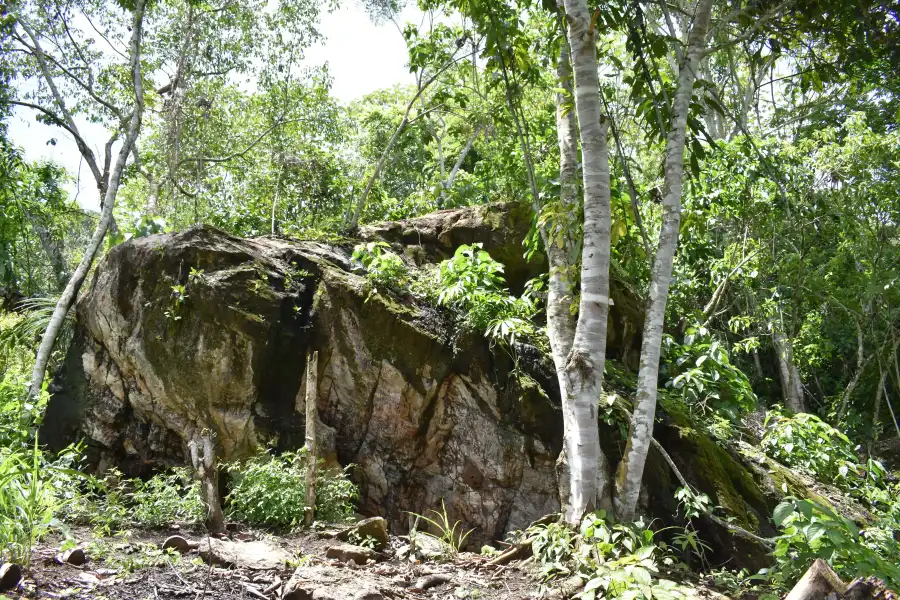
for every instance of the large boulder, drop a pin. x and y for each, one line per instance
(201, 330)
(499, 227)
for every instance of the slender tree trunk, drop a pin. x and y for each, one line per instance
(312, 417)
(71, 292)
(152, 206)
(791, 386)
(757, 364)
(879, 393)
(560, 320)
(631, 469)
(887, 400)
(583, 374)
(353, 221)
(446, 185)
(52, 248)
(861, 362)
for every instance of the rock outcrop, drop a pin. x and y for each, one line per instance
(201, 330)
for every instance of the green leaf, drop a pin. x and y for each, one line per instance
(815, 531)
(782, 512)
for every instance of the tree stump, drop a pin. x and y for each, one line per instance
(203, 459)
(819, 582)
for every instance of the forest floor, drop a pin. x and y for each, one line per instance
(131, 567)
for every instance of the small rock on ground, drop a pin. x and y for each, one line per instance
(178, 543)
(374, 528)
(73, 556)
(346, 552)
(257, 556)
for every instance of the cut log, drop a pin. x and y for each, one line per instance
(10, 575)
(819, 583)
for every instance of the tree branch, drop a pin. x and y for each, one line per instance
(710, 307)
(39, 55)
(750, 31)
(769, 543)
(240, 153)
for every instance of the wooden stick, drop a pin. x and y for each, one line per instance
(312, 415)
(516, 551)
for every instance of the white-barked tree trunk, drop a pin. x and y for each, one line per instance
(631, 469)
(70, 293)
(582, 376)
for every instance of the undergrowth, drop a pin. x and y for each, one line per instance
(470, 283)
(271, 490)
(617, 560)
(111, 504)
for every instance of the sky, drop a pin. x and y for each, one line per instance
(362, 57)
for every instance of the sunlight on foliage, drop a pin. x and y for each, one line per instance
(271, 490)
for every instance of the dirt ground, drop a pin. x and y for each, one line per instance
(130, 567)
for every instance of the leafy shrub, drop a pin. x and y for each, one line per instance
(101, 503)
(554, 545)
(30, 480)
(27, 502)
(129, 556)
(810, 531)
(271, 490)
(472, 283)
(618, 560)
(384, 268)
(701, 369)
(111, 503)
(806, 441)
(19, 416)
(166, 498)
(692, 505)
(335, 496)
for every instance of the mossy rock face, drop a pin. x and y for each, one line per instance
(713, 470)
(499, 227)
(200, 330)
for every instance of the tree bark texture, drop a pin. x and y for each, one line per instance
(203, 459)
(791, 385)
(582, 376)
(560, 320)
(312, 417)
(631, 469)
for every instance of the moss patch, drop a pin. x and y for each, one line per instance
(784, 478)
(714, 470)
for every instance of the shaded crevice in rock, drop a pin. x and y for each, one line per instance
(369, 407)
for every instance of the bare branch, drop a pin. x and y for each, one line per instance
(102, 35)
(241, 153)
(39, 55)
